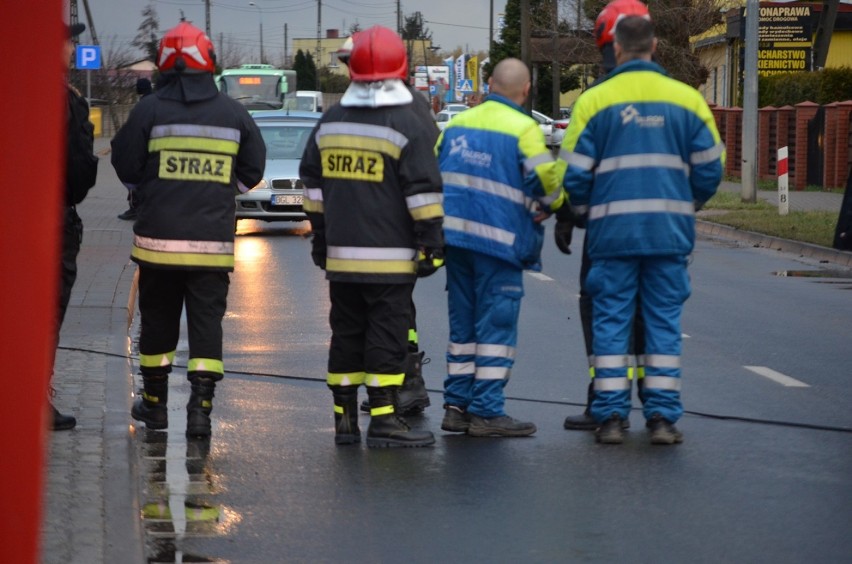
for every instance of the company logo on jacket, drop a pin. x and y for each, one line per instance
(631, 115)
(471, 157)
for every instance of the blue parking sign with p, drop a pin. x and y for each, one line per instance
(88, 57)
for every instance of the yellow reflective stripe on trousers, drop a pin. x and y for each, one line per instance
(345, 378)
(382, 380)
(155, 360)
(205, 365)
(371, 260)
(384, 410)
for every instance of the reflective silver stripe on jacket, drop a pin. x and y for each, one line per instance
(662, 360)
(187, 130)
(461, 348)
(583, 162)
(662, 383)
(501, 351)
(611, 361)
(371, 253)
(314, 194)
(426, 199)
(611, 384)
(532, 162)
(645, 160)
(493, 373)
(178, 246)
(655, 205)
(480, 230)
(456, 368)
(708, 155)
(364, 130)
(489, 187)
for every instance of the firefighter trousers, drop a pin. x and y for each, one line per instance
(162, 296)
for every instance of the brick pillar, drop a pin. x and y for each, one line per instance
(765, 146)
(785, 134)
(805, 112)
(844, 157)
(829, 146)
(733, 138)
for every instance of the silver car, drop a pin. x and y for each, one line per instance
(278, 197)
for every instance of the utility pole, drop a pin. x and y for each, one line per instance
(319, 43)
(556, 71)
(398, 18)
(207, 17)
(825, 28)
(92, 31)
(748, 169)
(286, 58)
(490, 27)
(525, 42)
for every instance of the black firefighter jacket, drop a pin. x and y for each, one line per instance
(187, 149)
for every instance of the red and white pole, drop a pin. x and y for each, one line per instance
(783, 183)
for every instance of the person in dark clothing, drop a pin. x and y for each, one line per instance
(186, 150)
(143, 88)
(80, 174)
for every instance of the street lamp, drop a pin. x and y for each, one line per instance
(260, 21)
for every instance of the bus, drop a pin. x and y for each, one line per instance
(259, 86)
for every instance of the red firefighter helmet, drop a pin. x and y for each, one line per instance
(185, 47)
(609, 16)
(377, 54)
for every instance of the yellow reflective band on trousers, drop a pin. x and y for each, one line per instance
(345, 378)
(156, 360)
(338, 409)
(205, 365)
(184, 259)
(384, 410)
(382, 380)
(412, 336)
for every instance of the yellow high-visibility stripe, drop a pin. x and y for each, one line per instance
(427, 212)
(383, 146)
(194, 144)
(371, 266)
(313, 206)
(205, 365)
(382, 380)
(185, 259)
(384, 410)
(156, 360)
(345, 378)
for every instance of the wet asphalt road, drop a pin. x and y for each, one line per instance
(763, 474)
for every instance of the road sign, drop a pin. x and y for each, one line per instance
(465, 85)
(88, 57)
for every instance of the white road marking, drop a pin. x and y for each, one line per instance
(777, 377)
(540, 276)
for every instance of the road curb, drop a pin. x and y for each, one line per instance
(808, 250)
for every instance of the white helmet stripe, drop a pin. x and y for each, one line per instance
(195, 54)
(165, 54)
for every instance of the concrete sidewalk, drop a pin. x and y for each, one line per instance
(92, 512)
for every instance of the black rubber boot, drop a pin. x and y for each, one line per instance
(60, 421)
(387, 428)
(585, 421)
(346, 430)
(412, 397)
(150, 408)
(199, 406)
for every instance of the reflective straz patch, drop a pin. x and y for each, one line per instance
(202, 167)
(353, 165)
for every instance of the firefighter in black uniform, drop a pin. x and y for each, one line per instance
(373, 197)
(185, 149)
(412, 397)
(81, 170)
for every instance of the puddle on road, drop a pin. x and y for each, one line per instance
(829, 276)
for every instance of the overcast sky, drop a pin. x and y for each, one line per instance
(453, 23)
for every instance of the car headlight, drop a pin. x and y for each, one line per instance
(262, 184)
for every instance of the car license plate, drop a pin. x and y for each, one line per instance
(286, 199)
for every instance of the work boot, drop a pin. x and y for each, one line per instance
(585, 421)
(663, 432)
(456, 419)
(412, 397)
(500, 426)
(129, 214)
(61, 422)
(346, 430)
(611, 431)
(150, 408)
(387, 428)
(199, 406)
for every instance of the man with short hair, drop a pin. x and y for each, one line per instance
(642, 150)
(499, 185)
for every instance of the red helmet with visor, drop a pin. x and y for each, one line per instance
(185, 47)
(378, 54)
(609, 16)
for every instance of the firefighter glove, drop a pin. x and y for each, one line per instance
(429, 261)
(562, 234)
